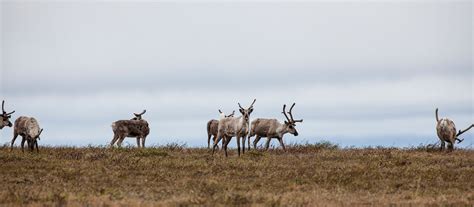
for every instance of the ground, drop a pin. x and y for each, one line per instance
(310, 175)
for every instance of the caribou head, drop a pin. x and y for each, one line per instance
(290, 122)
(138, 116)
(37, 137)
(32, 141)
(5, 117)
(246, 112)
(226, 116)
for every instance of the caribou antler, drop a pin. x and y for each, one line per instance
(291, 114)
(284, 113)
(230, 115)
(251, 105)
(3, 109)
(39, 133)
(461, 132)
(436, 114)
(291, 109)
(140, 113)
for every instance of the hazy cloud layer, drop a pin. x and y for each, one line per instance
(361, 73)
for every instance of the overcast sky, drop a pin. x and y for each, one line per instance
(361, 73)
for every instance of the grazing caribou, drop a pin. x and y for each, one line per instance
(30, 131)
(135, 127)
(272, 128)
(446, 131)
(212, 126)
(5, 122)
(237, 127)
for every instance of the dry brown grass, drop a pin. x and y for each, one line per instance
(311, 175)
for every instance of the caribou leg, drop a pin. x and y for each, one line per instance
(216, 141)
(443, 145)
(119, 143)
(209, 141)
(267, 144)
(450, 146)
(15, 135)
(222, 144)
(138, 142)
(243, 144)
(31, 145)
(143, 142)
(238, 144)
(248, 142)
(116, 137)
(23, 144)
(226, 140)
(213, 140)
(257, 138)
(37, 149)
(282, 144)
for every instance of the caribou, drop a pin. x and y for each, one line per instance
(5, 122)
(272, 128)
(135, 127)
(446, 131)
(237, 127)
(30, 131)
(212, 126)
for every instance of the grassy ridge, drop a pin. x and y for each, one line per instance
(173, 175)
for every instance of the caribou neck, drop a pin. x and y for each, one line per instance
(282, 130)
(243, 123)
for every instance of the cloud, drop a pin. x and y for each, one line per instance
(390, 109)
(357, 71)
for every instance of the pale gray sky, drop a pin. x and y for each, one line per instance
(361, 72)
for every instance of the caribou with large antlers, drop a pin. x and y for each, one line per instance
(212, 126)
(30, 131)
(135, 127)
(237, 127)
(446, 131)
(272, 128)
(5, 117)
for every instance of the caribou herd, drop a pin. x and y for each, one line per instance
(224, 129)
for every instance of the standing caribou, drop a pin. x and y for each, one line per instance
(5, 117)
(446, 131)
(272, 128)
(135, 127)
(212, 126)
(237, 127)
(30, 131)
